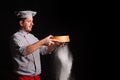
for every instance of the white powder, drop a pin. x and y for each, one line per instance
(64, 55)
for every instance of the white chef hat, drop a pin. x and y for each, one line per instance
(25, 13)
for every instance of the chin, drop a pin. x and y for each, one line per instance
(28, 30)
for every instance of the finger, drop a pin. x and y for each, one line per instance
(55, 40)
(50, 36)
(51, 42)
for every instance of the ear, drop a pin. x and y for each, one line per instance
(21, 23)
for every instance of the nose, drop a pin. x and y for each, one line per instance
(32, 23)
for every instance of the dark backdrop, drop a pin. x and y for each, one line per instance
(57, 18)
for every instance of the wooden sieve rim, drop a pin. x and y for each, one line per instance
(64, 38)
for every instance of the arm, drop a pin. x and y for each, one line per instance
(18, 45)
(51, 43)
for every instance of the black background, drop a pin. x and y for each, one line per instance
(57, 18)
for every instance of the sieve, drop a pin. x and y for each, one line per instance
(64, 38)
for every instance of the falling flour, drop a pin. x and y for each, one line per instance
(64, 55)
